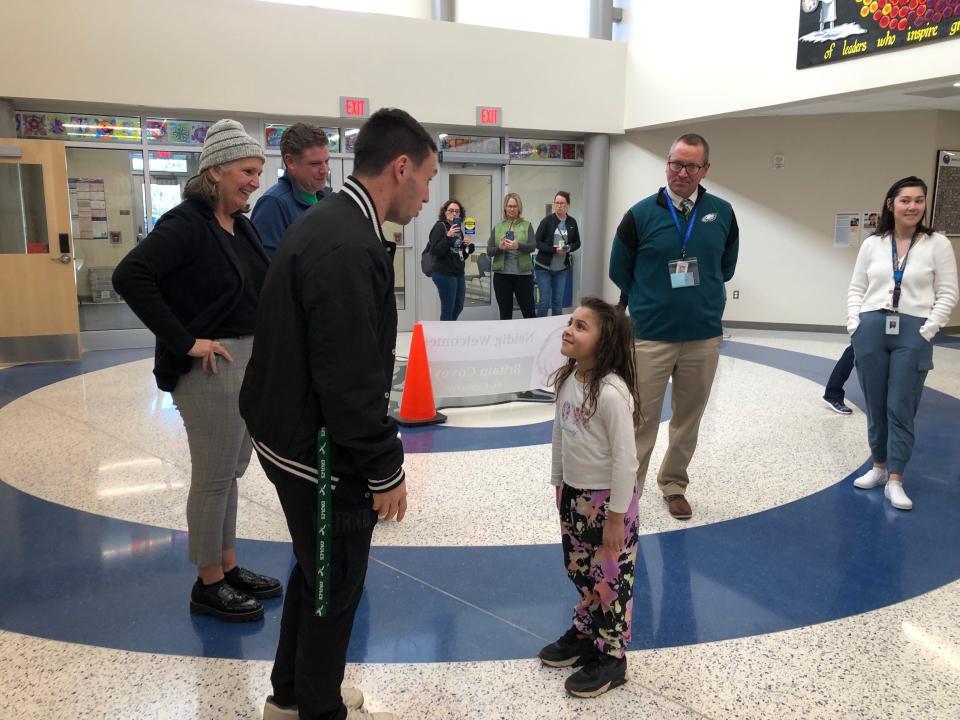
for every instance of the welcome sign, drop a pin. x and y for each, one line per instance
(835, 30)
(492, 357)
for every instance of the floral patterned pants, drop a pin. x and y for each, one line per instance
(604, 581)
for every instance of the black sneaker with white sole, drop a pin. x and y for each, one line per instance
(599, 674)
(571, 649)
(838, 407)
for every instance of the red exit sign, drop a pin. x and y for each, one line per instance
(354, 107)
(489, 116)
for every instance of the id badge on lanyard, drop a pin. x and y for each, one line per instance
(684, 272)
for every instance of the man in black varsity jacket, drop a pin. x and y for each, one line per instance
(323, 356)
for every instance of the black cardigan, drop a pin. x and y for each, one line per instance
(449, 260)
(545, 239)
(182, 281)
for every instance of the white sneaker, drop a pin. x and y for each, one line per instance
(364, 715)
(874, 477)
(352, 698)
(897, 497)
(272, 711)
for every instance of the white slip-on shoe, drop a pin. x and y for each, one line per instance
(366, 715)
(897, 497)
(272, 711)
(352, 698)
(874, 477)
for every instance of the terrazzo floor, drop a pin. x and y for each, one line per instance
(766, 444)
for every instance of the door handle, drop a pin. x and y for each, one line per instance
(65, 258)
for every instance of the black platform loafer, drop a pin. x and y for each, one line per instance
(258, 586)
(223, 601)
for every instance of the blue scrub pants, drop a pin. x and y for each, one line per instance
(551, 284)
(892, 370)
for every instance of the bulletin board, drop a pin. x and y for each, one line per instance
(835, 30)
(945, 217)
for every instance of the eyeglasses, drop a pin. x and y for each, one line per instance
(691, 168)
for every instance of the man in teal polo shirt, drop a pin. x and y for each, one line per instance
(306, 159)
(671, 256)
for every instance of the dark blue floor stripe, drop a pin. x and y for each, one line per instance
(74, 576)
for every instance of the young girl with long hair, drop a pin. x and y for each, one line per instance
(595, 472)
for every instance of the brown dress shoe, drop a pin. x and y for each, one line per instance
(678, 507)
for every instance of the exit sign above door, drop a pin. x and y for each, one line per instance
(354, 107)
(489, 116)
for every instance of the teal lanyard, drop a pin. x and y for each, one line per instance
(324, 500)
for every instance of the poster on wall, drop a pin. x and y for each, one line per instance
(835, 30)
(869, 224)
(846, 231)
(945, 217)
(88, 208)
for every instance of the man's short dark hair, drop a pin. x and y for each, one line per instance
(299, 137)
(696, 141)
(388, 134)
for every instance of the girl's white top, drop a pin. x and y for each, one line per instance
(596, 452)
(929, 287)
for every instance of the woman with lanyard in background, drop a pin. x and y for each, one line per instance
(903, 288)
(511, 244)
(557, 237)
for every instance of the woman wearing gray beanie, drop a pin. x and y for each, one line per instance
(195, 281)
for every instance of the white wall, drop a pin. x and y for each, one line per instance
(789, 271)
(558, 17)
(240, 55)
(692, 59)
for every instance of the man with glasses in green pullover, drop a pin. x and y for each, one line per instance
(671, 256)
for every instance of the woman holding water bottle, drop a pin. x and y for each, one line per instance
(511, 246)
(557, 237)
(450, 250)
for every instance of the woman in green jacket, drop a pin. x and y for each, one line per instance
(511, 244)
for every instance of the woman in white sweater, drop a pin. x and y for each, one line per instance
(903, 288)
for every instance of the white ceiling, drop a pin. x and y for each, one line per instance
(923, 96)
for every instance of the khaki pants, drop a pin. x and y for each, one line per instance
(692, 366)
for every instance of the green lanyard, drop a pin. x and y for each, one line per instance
(324, 500)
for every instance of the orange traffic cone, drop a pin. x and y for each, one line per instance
(416, 404)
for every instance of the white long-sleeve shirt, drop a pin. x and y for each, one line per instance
(928, 290)
(597, 452)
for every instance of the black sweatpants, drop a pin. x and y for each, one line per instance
(506, 286)
(312, 651)
(841, 371)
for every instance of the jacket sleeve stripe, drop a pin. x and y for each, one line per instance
(387, 484)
